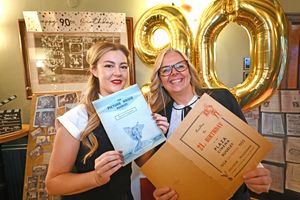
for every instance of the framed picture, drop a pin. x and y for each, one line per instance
(66, 65)
(245, 74)
(246, 63)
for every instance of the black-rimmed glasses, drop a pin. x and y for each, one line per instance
(180, 67)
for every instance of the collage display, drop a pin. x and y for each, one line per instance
(46, 109)
(45, 112)
(279, 122)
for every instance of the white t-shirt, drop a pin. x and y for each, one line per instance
(75, 120)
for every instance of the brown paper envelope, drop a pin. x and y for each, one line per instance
(170, 168)
(207, 124)
(190, 162)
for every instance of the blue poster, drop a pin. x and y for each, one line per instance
(128, 121)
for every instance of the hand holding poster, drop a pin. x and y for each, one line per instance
(128, 121)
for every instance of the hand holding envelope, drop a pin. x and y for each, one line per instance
(210, 151)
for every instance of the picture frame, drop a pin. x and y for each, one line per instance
(29, 80)
(246, 63)
(245, 74)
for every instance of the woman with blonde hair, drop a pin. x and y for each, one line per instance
(174, 90)
(83, 163)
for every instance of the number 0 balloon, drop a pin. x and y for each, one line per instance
(265, 22)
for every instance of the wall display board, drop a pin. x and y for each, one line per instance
(279, 122)
(44, 109)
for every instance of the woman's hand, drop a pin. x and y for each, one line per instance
(165, 193)
(258, 180)
(107, 164)
(162, 122)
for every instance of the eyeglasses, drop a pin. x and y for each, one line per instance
(180, 67)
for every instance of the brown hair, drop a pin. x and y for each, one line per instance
(92, 92)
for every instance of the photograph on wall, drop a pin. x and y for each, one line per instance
(277, 153)
(36, 152)
(32, 183)
(45, 112)
(32, 196)
(293, 124)
(290, 101)
(293, 149)
(51, 130)
(272, 104)
(64, 55)
(245, 75)
(69, 98)
(272, 124)
(36, 132)
(57, 42)
(293, 177)
(43, 140)
(39, 170)
(246, 63)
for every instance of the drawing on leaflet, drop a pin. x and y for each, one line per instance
(135, 133)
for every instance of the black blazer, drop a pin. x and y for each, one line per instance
(224, 97)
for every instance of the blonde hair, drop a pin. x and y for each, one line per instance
(159, 97)
(92, 92)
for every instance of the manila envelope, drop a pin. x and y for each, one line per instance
(207, 155)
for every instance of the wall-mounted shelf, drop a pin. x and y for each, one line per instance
(15, 135)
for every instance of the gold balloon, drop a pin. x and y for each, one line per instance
(146, 90)
(172, 21)
(265, 22)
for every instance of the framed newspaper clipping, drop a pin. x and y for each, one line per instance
(54, 47)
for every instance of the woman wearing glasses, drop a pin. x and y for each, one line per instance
(175, 88)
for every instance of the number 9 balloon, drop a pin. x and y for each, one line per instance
(172, 21)
(265, 23)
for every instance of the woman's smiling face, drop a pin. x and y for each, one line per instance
(112, 72)
(177, 81)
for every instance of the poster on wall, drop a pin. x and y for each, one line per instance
(293, 149)
(293, 124)
(277, 174)
(290, 101)
(272, 124)
(277, 153)
(272, 104)
(293, 177)
(57, 43)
